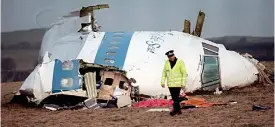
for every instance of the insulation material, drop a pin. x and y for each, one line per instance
(263, 77)
(90, 83)
(105, 92)
(123, 101)
(119, 92)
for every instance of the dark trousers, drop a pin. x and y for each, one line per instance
(175, 93)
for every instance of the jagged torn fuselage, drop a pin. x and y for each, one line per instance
(141, 54)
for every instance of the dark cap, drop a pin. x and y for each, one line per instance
(170, 53)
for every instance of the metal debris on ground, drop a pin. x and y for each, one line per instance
(51, 107)
(91, 103)
(260, 107)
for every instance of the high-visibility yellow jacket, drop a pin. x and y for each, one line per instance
(176, 77)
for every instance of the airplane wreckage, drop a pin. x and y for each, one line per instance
(78, 63)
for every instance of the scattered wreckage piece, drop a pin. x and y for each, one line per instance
(159, 110)
(74, 83)
(90, 84)
(264, 73)
(260, 107)
(186, 102)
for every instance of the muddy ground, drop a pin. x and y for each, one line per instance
(239, 114)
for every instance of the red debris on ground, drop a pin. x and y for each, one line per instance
(198, 102)
(237, 115)
(153, 103)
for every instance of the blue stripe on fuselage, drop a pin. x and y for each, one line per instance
(113, 49)
(60, 73)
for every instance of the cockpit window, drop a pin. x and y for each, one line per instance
(210, 49)
(209, 52)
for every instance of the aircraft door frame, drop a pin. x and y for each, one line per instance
(215, 82)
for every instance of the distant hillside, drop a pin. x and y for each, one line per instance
(19, 53)
(242, 40)
(22, 39)
(261, 48)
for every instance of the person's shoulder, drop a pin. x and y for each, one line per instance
(166, 62)
(180, 60)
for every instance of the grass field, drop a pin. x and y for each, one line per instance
(237, 115)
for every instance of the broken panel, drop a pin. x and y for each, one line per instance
(105, 92)
(113, 79)
(108, 81)
(65, 76)
(90, 83)
(106, 88)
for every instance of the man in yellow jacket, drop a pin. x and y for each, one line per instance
(175, 73)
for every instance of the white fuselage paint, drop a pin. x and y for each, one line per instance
(146, 67)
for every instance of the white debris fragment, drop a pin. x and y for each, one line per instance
(159, 110)
(217, 92)
(51, 107)
(232, 102)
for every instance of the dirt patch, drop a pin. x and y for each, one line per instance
(269, 65)
(8, 90)
(239, 114)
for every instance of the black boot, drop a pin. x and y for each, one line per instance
(179, 112)
(173, 113)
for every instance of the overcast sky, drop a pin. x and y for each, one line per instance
(223, 17)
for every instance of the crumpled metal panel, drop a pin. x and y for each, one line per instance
(90, 83)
